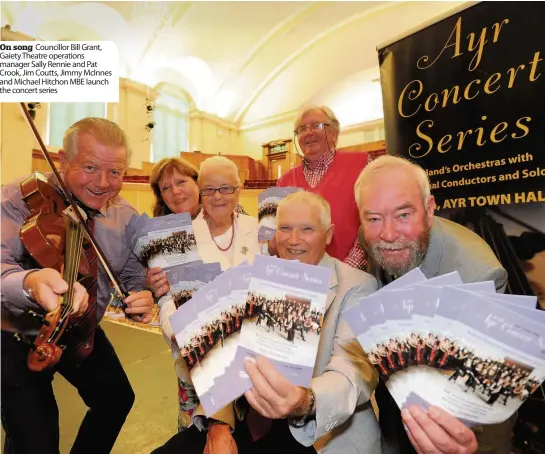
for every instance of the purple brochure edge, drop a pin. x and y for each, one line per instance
(537, 315)
(526, 301)
(415, 399)
(413, 277)
(265, 233)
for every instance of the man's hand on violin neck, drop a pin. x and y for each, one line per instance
(140, 305)
(46, 285)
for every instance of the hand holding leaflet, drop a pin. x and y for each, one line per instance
(465, 349)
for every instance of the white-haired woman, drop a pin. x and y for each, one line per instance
(222, 234)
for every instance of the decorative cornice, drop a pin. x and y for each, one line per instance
(366, 126)
(195, 114)
(138, 88)
(270, 121)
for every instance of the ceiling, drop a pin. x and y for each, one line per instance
(243, 61)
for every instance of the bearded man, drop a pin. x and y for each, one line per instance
(399, 232)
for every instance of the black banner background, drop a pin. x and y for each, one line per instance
(518, 111)
(491, 179)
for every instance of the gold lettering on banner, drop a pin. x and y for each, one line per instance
(457, 33)
(493, 200)
(413, 94)
(477, 136)
(474, 44)
(490, 81)
(533, 64)
(415, 99)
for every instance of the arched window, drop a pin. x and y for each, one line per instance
(169, 136)
(62, 115)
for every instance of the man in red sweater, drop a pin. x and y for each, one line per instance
(332, 175)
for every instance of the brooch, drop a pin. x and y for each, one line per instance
(244, 250)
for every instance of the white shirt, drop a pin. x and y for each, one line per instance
(224, 240)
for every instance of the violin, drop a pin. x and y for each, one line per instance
(55, 234)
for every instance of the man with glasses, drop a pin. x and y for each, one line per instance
(332, 175)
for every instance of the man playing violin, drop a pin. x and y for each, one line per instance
(96, 157)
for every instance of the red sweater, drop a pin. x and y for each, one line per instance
(337, 187)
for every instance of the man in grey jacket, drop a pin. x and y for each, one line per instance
(334, 414)
(400, 233)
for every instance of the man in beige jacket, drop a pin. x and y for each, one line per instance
(334, 414)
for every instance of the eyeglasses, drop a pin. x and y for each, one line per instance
(225, 190)
(314, 127)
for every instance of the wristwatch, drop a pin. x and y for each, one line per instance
(216, 422)
(28, 293)
(309, 411)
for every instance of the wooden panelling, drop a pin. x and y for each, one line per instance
(40, 164)
(141, 197)
(245, 164)
(279, 157)
(270, 167)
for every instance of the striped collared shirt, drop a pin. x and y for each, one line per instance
(315, 175)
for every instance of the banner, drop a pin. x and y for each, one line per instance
(464, 98)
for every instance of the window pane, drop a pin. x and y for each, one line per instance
(62, 115)
(169, 136)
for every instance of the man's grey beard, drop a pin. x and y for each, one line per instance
(418, 249)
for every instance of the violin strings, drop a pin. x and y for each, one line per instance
(68, 247)
(76, 254)
(69, 253)
(72, 254)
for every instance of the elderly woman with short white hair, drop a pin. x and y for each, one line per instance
(223, 235)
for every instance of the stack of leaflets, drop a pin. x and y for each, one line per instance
(462, 347)
(268, 202)
(187, 278)
(272, 308)
(163, 241)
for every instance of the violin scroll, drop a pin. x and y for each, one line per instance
(44, 353)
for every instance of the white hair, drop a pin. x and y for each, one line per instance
(390, 162)
(324, 109)
(218, 162)
(309, 198)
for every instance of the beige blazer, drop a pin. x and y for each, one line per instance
(245, 244)
(343, 379)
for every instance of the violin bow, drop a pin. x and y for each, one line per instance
(118, 285)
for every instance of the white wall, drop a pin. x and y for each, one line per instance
(18, 141)
(362, 133)
(212, 135)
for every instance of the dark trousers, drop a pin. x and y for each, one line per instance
(394, 438)
(30, 415)
(279, 439)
